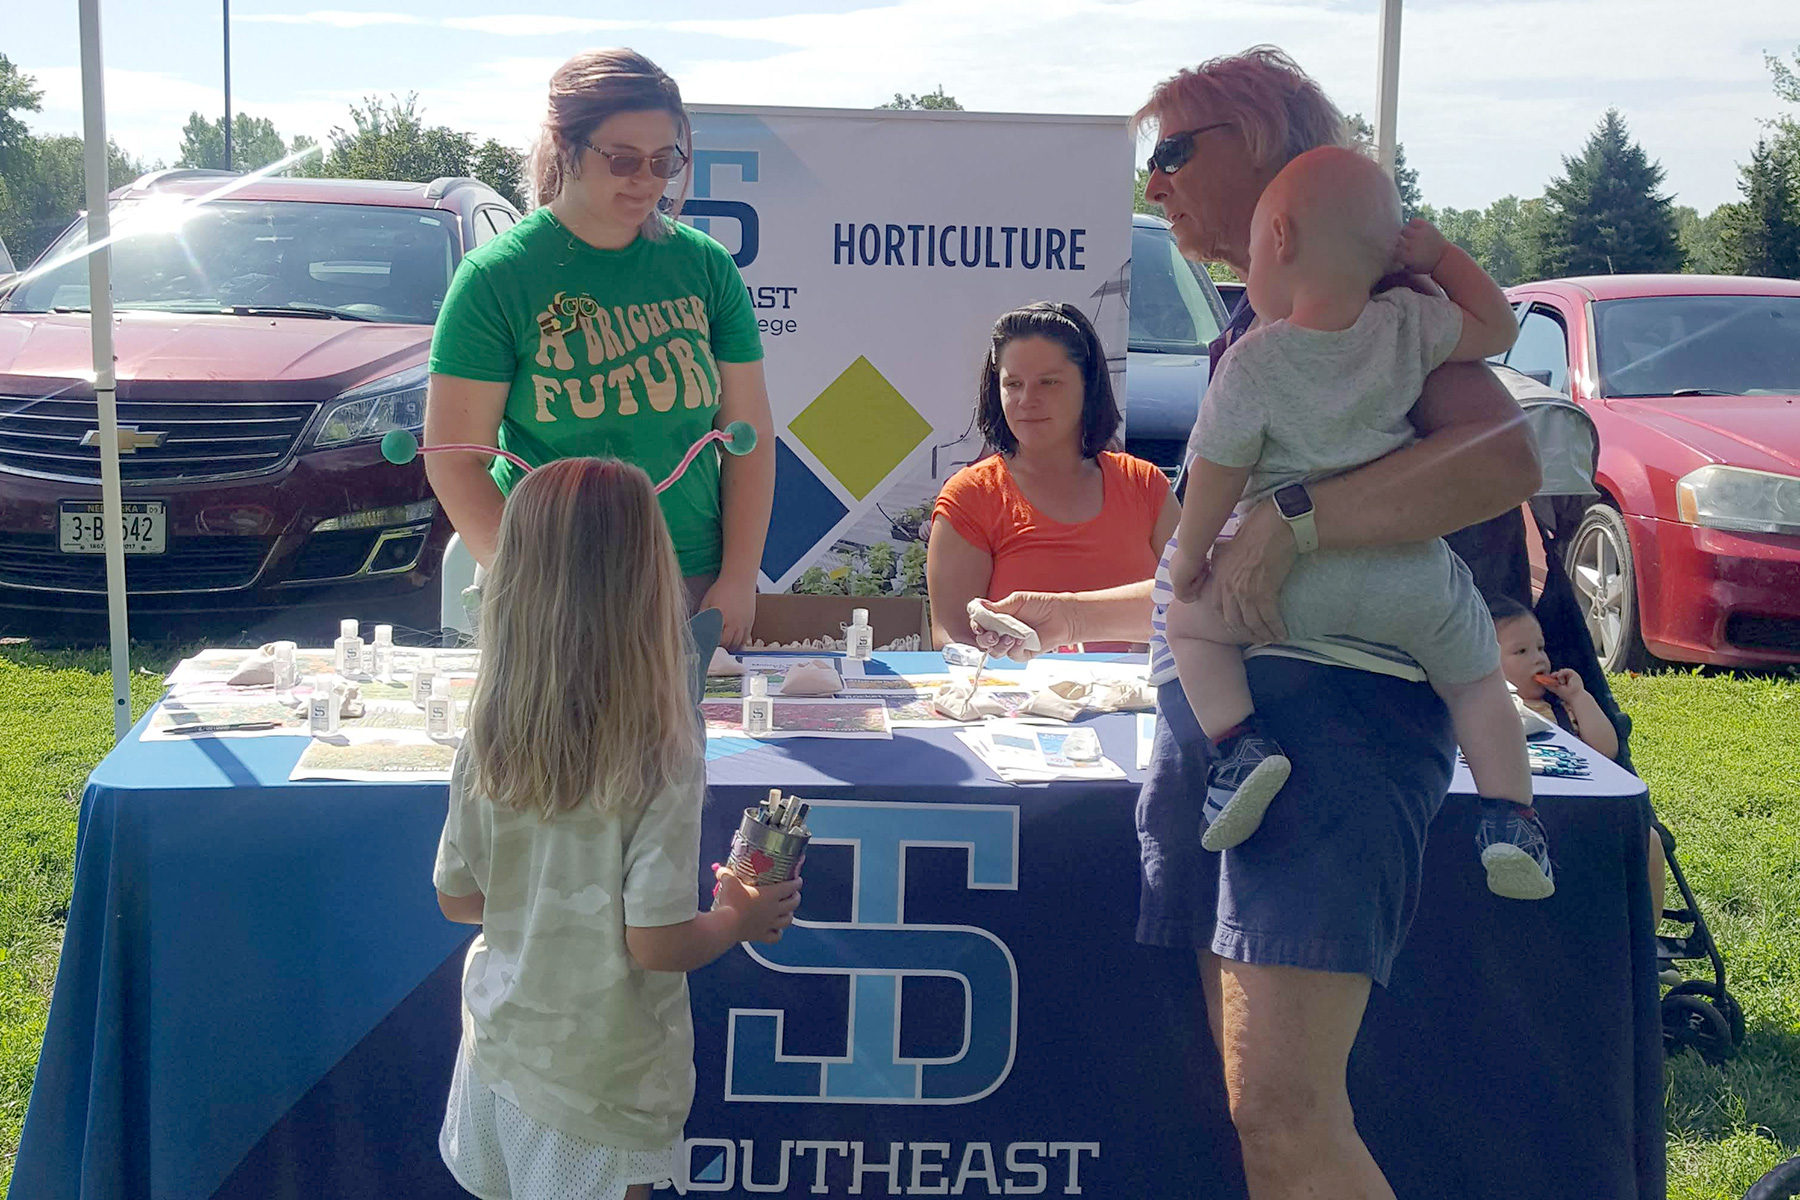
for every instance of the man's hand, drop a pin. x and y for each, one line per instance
(736, 603)
(1248, 570)
(1045, 612)
(1421, 247)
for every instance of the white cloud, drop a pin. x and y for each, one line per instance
(1492, 93)
(332, 17)
(543, 26)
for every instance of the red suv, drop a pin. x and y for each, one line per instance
(265, 340)
(1692, 552)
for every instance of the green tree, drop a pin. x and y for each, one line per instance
(1702, 239)
(930, 100)
(503, 169)
(254, 143)
(19, 93)
(1406, 179)
(47, 189)
(1604, 214)
(1761, 235)
(392, 141)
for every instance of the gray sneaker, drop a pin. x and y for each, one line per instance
(1239, 786)
(1515, 851)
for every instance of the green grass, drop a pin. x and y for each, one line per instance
(1721, 754)
(55, 724)
(1722, 757)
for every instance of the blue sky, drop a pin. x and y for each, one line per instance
(1493, 92)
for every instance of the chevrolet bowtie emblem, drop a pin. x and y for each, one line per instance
(130, 440)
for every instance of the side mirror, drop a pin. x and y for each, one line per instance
(1542, 376)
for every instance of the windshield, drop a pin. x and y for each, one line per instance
(1171, 312)
(356, 261)
(1699, 345)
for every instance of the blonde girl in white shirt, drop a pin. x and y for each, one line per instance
(573, 839)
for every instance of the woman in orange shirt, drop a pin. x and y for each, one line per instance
(1051, 513)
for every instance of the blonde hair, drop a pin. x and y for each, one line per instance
(584, 92)
(583, 694)
(1280, 111)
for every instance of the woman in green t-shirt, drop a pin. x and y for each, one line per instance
(599, 325)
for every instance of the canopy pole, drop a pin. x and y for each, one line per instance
(100, 321)
(1387, 84)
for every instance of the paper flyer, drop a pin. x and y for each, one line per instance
(803, 718)
(362, 755)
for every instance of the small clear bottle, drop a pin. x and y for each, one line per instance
(423, 674)
(381, 657)
(324, 707)
(440, 710)
(859, 638)
(759, 710)
(285, 670)
(348, 648)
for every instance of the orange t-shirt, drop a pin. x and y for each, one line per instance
(1033, 553)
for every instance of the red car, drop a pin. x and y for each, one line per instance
(265, 340)
(1692, 552)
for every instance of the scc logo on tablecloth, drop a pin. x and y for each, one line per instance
(878, 948)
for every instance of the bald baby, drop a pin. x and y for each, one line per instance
(1325, 231)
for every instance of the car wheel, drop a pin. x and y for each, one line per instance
(1601, 570)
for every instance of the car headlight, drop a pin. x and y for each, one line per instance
(1738, 499)
(392, 402)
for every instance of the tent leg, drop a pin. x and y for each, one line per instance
(93, 105)
(1388, 84)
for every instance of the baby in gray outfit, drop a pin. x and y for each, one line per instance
(1324, 384)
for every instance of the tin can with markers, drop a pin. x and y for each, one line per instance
(763, 853)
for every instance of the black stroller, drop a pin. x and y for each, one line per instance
(1696, 1013)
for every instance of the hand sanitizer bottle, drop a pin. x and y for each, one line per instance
(440, 710)
(381, 654)
(348, 648)
(285, 670)
(323, 709)
(759, 710)
(423, 674)
(859, 639)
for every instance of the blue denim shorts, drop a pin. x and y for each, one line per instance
(1331, 879)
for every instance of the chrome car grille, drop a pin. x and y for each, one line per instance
(206, 439)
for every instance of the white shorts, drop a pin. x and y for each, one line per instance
(497, 1152)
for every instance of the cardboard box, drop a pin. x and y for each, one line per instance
(787, 617)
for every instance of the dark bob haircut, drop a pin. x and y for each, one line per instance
(1069, 328)
(1505, 608)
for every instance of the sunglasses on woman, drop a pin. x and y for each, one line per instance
(665, 165)
(1172, 153)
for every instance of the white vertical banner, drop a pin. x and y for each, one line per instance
(878, 248)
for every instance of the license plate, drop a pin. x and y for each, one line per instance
(146, 527)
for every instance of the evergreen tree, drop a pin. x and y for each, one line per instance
(1604, 215)
(1761, 234)
(1406, 179)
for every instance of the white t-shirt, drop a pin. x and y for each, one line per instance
(558, 1017)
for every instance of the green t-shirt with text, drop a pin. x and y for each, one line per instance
(609, 353)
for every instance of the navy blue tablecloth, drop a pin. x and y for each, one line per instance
(258, 997)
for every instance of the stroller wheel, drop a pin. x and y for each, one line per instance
(1720, 999)
(1780, 1184)
(1690, 1020)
